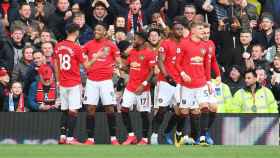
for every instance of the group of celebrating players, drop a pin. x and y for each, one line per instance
(183, 84)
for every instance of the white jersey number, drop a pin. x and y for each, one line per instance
(65, 62)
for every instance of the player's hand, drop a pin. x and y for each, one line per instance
(218, 80)
(170, 80)
(185, 77)
(210, 88)
(140, 89)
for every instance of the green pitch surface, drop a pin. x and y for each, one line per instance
(161, 151)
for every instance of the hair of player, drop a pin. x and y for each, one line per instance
(102, 24)
(72, 28)
(194, 24)
(253, 71)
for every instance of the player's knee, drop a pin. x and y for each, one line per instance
(91, 110)
(109, 109)
(162, 110)
(204, 107)
(195, 112)
(124, 110)
(73, 113)
(213, 108)
(184, 112)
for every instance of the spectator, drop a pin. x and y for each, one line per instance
(253, 98)
(32, 71)
(237, 56)
(265, 37)
(20, 69)
(136, 15)
(275, 79)
(234, 79)
(246, 14)
(42, 93)
(56, 21)
(86, 32)
(25, 21)
(120, 35)
(158, 22)
(45, 36)
(273, 6)
(11, 49)
(15, 102)
(190, 12)
(120, 22)
(272, 51)
(4, 81)
(43, 9)
(257, 58)
(100, 13)
(47, 49)
(262, 77)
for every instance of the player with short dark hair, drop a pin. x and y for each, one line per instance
(168, 86)
(141, 63)
(68, 56)
(99, 83)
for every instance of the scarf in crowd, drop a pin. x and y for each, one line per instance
(46, 96)
(20, 106)
(130, 24)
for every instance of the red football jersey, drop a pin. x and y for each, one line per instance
(103, 68)
(69, 56)
(212, 57)
(170, 49)
(141, 62)
(193, 60)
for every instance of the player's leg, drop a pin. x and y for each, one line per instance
(144, 107)
(91, 100)
(212, 116)
(74, 106)
(165, 93)
(108, 99)
(187, 103)
(129, 99)
(172, 122)
(203, 98)
(195, 124)
(64, 117)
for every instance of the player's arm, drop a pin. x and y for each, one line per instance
(161, 58)
(183, 74)
(88, 62)
(215, 67)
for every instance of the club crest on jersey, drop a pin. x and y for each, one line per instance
(178, 50)
(202, 51)
(210, 50)
(141, 57)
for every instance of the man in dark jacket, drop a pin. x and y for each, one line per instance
(237, 56)
(234, 79)
(86, 32)
(266, 36)
(273, 6)
(11, 49)
(57, 21)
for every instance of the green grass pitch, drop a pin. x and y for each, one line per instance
(151, 151)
